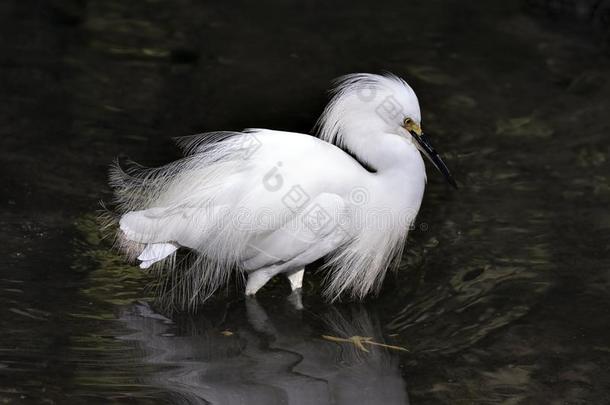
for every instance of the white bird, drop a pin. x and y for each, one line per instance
(263, 202)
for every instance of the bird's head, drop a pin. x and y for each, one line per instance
(364, 104)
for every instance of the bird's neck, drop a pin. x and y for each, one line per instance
(385, 154)
(400, 174)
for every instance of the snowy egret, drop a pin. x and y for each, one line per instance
(262, 202)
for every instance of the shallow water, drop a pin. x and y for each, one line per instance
(502, 296)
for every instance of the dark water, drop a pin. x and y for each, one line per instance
(503, 293)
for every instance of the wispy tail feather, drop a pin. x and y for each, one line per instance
(180, 191)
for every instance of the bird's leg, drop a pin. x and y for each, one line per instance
(296, 299)
(257, 279)
(296, 282)
(296, 278)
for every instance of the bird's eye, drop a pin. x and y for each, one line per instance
(412, 126)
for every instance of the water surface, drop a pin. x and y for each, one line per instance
(502, 295)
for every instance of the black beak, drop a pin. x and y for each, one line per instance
(428, 150)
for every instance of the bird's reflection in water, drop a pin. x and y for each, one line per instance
(270, 357)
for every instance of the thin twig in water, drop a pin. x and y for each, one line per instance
(359, 342)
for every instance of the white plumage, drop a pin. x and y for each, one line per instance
(266, 202)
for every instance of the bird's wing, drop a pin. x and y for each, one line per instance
(314, 229)
(228, 206)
